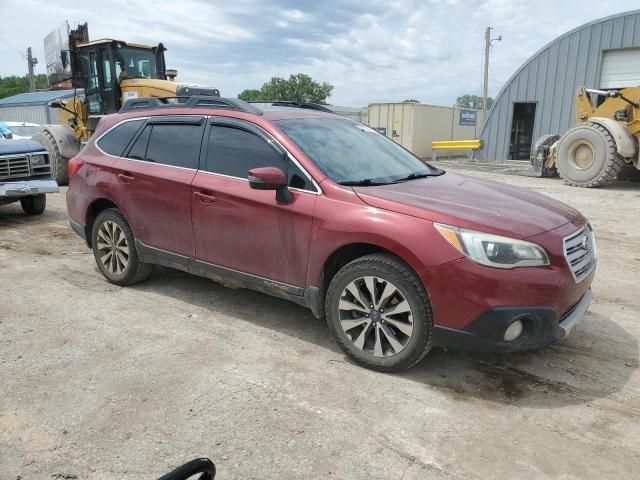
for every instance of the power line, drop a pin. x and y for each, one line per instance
(13, 48)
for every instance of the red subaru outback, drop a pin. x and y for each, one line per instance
(297, 202)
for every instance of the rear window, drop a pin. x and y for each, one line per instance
(115, 141)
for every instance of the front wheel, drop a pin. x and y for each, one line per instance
(34, 205)
(115, 251)
(587, 156)
(379, 313)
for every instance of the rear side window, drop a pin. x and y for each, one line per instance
(115, 141)
(177, 145)
(139, 148)
(233, 151)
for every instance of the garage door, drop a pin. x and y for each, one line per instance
(620, 68)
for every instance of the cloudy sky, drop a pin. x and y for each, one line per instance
(370, 50)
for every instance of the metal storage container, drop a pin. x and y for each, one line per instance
(416, 125)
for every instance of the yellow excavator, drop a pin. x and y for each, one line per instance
(109, 72)
(604, 141)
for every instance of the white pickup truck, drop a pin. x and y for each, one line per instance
(25, 175)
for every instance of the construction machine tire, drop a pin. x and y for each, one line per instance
(58, 162)
(587, 156)
(539, 154)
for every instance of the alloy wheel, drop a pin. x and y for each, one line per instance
(375, 316)
(113, 248)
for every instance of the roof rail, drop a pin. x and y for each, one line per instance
(193, 101)
(307, 105)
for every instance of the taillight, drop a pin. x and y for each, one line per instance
(74, 165)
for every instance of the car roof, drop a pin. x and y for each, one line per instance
(20, 124)
(269, 113)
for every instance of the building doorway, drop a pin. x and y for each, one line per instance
(524, 114)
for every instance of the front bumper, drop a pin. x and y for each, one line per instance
(486, 333)
(24, 188)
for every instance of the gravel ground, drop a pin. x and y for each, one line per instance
(103, 382)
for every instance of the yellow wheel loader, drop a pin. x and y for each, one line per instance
(603, 142)
(109, 72)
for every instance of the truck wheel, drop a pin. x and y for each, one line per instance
(539, 154)
(34, 205)
(378, 311)
(587, 156)
(114, 249)
(58, 163)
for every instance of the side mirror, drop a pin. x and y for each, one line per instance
(270, 178)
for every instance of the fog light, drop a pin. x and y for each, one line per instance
(514, 331)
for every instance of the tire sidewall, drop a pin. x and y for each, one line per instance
(420, 341)
(116, 217)
(601, 146)
(34, 205)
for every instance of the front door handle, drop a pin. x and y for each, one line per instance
(204, 197)
(124, 178)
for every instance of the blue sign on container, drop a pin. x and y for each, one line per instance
(468, 117)
(381, 130)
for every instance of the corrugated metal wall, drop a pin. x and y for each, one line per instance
(550, 79)
(41, 114)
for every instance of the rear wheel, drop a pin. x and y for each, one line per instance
(539, 154)
(115, 251)
(379, 313)
(34, 205)
(587, 156)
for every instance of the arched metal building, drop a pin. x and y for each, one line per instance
(540, 97)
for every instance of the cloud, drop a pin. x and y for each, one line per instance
(379, 50)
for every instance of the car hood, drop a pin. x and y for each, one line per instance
(17, 146)
(473, 203)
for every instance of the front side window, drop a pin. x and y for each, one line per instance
(233, 151)
(116, 140)
(349, 152)
(135, 63)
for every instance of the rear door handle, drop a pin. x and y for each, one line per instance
(124, 178)
(204, 197)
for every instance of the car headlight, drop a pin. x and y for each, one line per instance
(493, 250)
(38, 159)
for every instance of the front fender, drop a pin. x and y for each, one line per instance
(624, 143)
(339, 224)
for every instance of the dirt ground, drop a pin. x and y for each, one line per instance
(102, 382)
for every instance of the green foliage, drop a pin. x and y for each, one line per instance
(472, 101)
(297, 88)
(13, 85)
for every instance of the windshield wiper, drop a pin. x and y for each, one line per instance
(423, 174)
(366, 182)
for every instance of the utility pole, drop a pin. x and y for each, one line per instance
(485, 87)
(31, 63)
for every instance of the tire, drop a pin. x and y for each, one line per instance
(375, 341)
(587, 156)
(121, 266)
(59, 164)
(34, 205)
(539, 154)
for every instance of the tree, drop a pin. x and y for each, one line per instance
(14, 85)
(472, 101)
(297, 88)
(411, 100)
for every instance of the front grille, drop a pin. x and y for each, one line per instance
(580, 252)
(14, 167)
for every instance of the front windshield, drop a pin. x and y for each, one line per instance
(24, 130)
(135, 62)
(349, 152)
